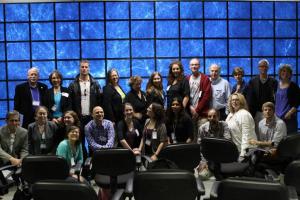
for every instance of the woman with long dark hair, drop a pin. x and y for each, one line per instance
(179, 123)
(178, 86)
(129, 129)
(154, 89)
(155, 133)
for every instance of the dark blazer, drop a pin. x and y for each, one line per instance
(112, 104)
(34, 138)
(20, 148)
(65, 101)
(258, 93)
(139, 104)
(23, 101)
(75, 95)
(122, 132)
(293, 94)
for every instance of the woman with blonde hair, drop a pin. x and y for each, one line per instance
(240, 123)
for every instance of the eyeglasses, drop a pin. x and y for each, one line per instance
(194, 64)
(85, 92)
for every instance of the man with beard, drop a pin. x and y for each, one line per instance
(212, 128)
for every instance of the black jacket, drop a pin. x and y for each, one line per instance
(75, 95)
(23, 101)
(259, 93)
(112, 104)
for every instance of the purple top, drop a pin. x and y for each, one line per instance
(99, 137)
(35, 96)
(281, 104)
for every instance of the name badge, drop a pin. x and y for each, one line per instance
(72, 161)
(35, 103)
(102, 139)
(65, 94)
(148, 142)
(43, 146)
(53, 108)
(137, 132)
(154, 135)
(200, 94)
(168, 87)
(173, 136)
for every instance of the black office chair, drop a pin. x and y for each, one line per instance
(185, 156)
(114, 168)
(222, 156)
(7, 180)
(62, 190)
(36, 168)
(167, 185)
(292, 175)
(251, 189)
(287, 151)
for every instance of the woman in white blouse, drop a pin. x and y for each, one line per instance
(240, 123)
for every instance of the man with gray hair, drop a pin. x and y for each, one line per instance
(220, 91)
(262, 88)
(28, 96)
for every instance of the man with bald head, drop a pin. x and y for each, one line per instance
(220, 91)
(99, 132)
(200, 95)
(29, 95)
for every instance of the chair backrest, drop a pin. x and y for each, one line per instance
(292, 175)
(219, 150)
(62, 190)
(236, 189)
(113, 162)
(36, 168)
(165, 185)
(185, 156)
(289, 147)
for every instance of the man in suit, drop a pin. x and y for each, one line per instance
(13, 141)
(28, 96)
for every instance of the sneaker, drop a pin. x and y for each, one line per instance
(205, 174)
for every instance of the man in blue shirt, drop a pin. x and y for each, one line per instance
(99, 132)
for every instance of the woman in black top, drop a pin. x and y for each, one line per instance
(129, 129)
(179, 123)
(113, 97)
(154, 89)
(57, 99)
(178, 86)
(137, 98)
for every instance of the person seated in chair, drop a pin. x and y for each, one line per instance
(99, 132)
(271, 129)
(41, 133)
(71, 149)
(213, 128)
(13, 140)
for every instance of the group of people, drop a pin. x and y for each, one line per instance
(75, 121)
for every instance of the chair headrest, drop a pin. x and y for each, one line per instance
(113, 162)
(219, 150)
(61, 190)
(35, 168)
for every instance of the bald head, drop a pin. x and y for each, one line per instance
(98, 114)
